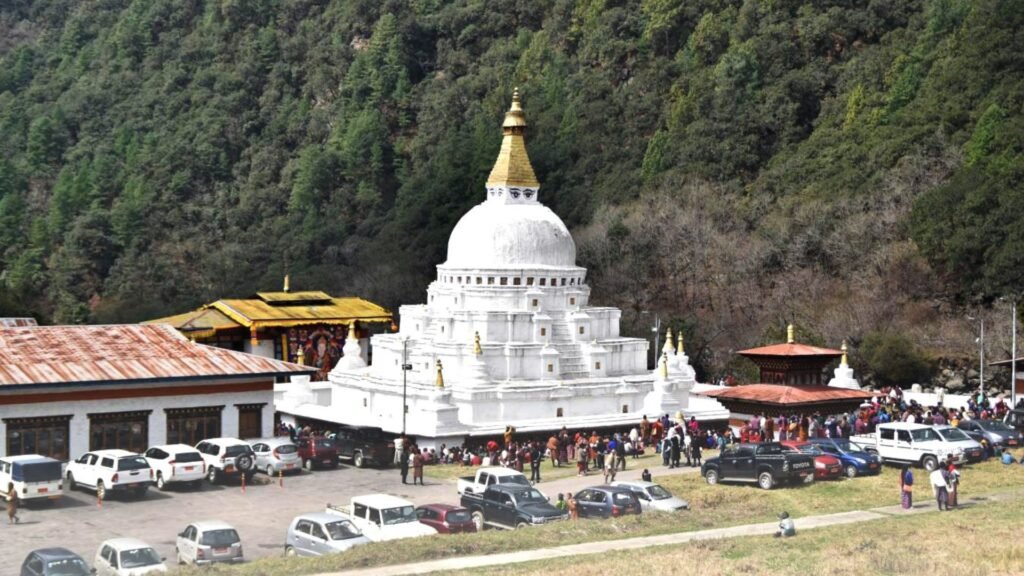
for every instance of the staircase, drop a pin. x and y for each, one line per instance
(571, 363)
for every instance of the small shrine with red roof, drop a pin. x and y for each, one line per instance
(791, 382)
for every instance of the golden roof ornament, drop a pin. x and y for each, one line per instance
(512, 167)
(476, 344)
(790, 334)
(440, 376)
(843, 362)
(669, 344)
(664, 365)
(679, 342)
(352, 330)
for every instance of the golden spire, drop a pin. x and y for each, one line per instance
(512, 168)
(352, 330)
(476, 344)
(664, 365)
(790, 334)
(679, 342)
(286, 288)
(669, 345)
(440, 376)
(844, 349)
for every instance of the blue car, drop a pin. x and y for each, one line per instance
(855, 460)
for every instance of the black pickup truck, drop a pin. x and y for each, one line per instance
(510, 506)
(767, 464)
(364, 446)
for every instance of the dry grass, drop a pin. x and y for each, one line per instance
(712, 507)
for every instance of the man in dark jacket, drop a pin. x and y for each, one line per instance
(535, 459)
(403, 464)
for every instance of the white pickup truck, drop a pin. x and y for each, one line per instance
(488, 476)
(903, 442)
(383, 517)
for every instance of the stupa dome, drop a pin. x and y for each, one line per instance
(497, 235)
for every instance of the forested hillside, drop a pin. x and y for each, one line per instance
(854, 166)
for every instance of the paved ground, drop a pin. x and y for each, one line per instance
(261, 515)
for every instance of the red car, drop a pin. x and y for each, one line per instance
(317, 452)
(446, 519)
(826, 466)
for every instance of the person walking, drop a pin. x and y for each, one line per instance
(12, 504)
(906, 487)
(417, 466)
(940, 487)
(403, 465)
(553, 450)
(620, 452)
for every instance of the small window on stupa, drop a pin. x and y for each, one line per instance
(543, 331)
(559, 413)
(597, 365)
(543, 281)
(551, 367)
(517, 281)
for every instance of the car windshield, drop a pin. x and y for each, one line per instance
(622, 498)
(188, 457)
(924, 435)
(517, 479)
(132, 463)
(287, 449)
(456, 516)
(139, 557)
(953, 434)
(67, 567)
(341, 530)
(809, 449)
(219, 538)
(399, 515)
(993, 426)
(530, 496)
(658, 493)
(325, 443)
(236, 450)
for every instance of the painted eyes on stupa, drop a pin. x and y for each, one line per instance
(514, 193)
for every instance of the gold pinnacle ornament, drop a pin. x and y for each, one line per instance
(669, 344)
(790, 334)
(476, 344)
(843, 362)
(440, 376)
(664, 365)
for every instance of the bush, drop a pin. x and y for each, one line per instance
(892, 359)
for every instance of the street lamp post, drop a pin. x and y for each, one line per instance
(981, 358)
(1013, 359)
(657, 338)
(405, 371)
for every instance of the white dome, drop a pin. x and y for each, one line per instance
(495, 235)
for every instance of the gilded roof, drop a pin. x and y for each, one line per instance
(205, 321)
(512, 167)
(134, 352)
(260, 313)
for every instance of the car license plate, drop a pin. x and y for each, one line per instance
(1012, 442)
(189, 468)
(872, 465)
(289, 466)
(44, 490)
(229, 469)
(220, 550)
(135, 473)
(327, 461)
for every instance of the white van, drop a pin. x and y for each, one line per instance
(35, 477)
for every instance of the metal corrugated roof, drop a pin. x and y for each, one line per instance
(13, 322)
(202, 320)
(80, 354)
(790, 349)
(308, 296)
(782, 395)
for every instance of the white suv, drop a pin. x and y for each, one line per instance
(176, 463)
(113, 470)
(227, 457)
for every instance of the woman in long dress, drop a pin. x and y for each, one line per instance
(12, 504)
(906, 487)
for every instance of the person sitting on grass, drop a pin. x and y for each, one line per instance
(645, 475)
(786, 526)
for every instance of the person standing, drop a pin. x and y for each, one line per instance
(535, 459)
(573, 513)
(695, 447)
(399, 448)
(12, 504)
(906, 487)
(675, 450)
(953, 480)
(417, 466)
(403, 464)
(553, 450)
(620, 452)
(940, 487)
(645, 430)
(687, 446)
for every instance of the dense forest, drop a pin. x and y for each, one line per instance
(728, 166)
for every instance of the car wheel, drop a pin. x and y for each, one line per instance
(212, 475)
(930, 463)
(270, 470)
(851, 471)
(160, 484)
(244, 463)
(711, 476)
(71, 481)
(478, 520)
(101, 490)
(177, 555)
(290, 551)
(520, 525)
(765, 480)
(359, 460)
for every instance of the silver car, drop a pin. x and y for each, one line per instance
(654, 497)
(275, 455)
(208, 542)
(127, 557)
(320, 533)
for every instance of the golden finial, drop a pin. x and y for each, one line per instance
(664, 365)
(352, 330)
(286, 287)
(790, 334)
(440, 376)
(512, 167)
(844, 349)
(669, 345)
(300, 356)
(679, 342)
(476, 344)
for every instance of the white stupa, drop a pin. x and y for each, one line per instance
(509, 318)
(843, 374)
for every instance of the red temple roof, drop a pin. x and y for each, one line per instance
(782, 395)
(790, 349)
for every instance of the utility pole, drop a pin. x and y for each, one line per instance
(1013, 361)
(405, 371)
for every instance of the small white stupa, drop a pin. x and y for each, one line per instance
(844, 374)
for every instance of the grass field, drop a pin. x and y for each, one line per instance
(979, 540)
(711, 507)
(548, 472)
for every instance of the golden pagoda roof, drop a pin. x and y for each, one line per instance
(513, 168)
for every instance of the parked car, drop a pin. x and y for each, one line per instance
(510, 506)
(855, 460)
(227, 457)
(382, 517)
(956, 437)
(994, 432)
(904, 442)
(1015, 419)
(764, 463)
(826, 466)
(127, 557)
(275, 455)
(317, 452)
(488, 476)
(54, 562)
(176, 464)
(364, 446)
(654, 497)
(446, 519)
(35, 477)
(606, 502)
(116, 471)
(208, 542)
(321, 533)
